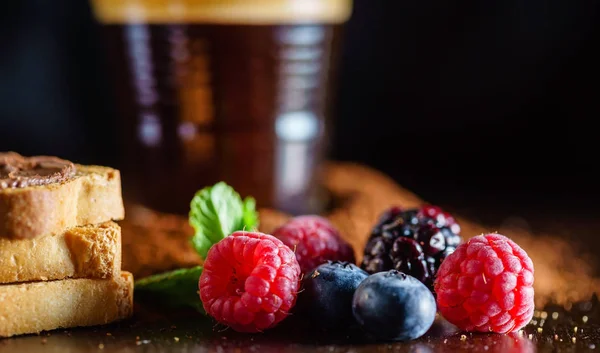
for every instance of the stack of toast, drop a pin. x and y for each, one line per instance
(60, 248)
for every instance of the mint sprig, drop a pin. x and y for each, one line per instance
(215, 212)
(249, 214)
(178, 287)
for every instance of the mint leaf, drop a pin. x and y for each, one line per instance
(216, 212)
(249, 216)
(179, 286)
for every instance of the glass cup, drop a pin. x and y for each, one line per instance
(232, 90)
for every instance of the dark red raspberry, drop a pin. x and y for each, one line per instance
(249, 282)
(486, 285)
(315, 241)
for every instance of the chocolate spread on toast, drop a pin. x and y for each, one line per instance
(17, 171)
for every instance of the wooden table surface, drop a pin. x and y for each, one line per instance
(567, 319)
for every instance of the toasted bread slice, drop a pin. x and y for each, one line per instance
(42, 306)
(92, 251)
(92, 196)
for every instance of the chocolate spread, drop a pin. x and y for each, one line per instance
(17, 171)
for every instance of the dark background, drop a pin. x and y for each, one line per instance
(474, 103)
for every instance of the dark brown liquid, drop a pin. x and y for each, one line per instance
(241, 103)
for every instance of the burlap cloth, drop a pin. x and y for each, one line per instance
(158, 242)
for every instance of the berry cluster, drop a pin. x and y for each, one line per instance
(252, 281)
(414, 242)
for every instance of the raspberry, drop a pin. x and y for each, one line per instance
(249, 282)
(315, 241)
(486, 285)
(414, 241)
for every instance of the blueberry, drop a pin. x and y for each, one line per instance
(328, 292)
(394, 306)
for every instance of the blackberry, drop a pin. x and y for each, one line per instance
(413, 241)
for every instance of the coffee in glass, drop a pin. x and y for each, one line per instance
(233, 90)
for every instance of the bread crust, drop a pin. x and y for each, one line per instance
(42, 306)
(92, 251)
(93, 196)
